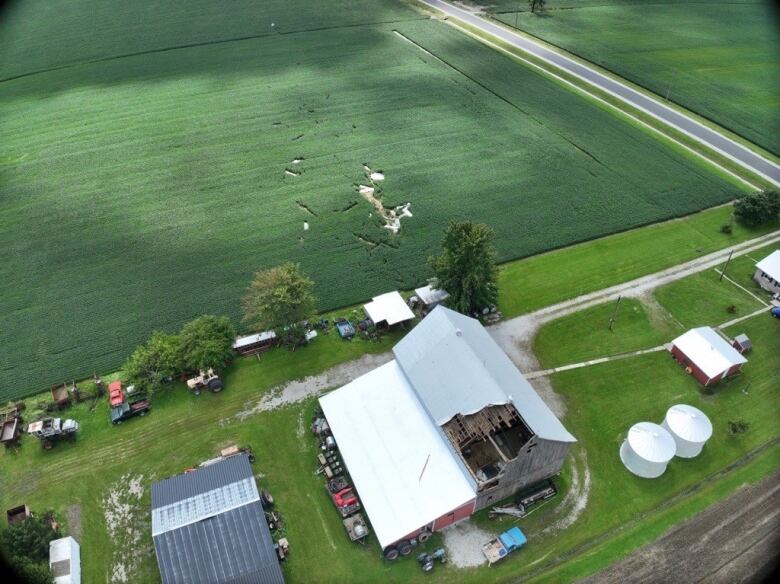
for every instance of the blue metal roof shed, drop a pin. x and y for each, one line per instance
(209, 527)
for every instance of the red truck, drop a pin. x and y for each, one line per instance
(126, 404)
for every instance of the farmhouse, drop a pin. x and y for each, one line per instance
(707, 355)
(388, 309)
(450, 426)
(209, 527)
(768, 272)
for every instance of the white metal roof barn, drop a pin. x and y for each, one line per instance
(647, 450)
(707, 353)
(770, 265)
(389, 308)
(398, 460)
(689, 427)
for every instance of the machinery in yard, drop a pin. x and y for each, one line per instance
(427, 560)
(346, 501)
(356, 527)
(527, 499)
(16, 514)
(500, 547)
(775, 312)
(209, 380)
(125, 404)
(10, 425)
(51, 430)
(345, 328)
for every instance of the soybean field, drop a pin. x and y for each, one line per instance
(145, 187)
(718, 59)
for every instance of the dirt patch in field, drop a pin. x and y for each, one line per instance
(128, 527)
(735, 540)
(464, 542)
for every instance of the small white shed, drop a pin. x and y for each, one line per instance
(689, 427)
(389, 308)
(647, 450)
(65, 560)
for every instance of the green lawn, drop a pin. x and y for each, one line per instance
(138, 192)
(704, 299)
(586, 335)
(545, 279)
(721, 61)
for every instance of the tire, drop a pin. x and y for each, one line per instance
(405, 548)
(424, 536)
(391, 554)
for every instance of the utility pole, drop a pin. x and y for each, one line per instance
(614, 313)
(723, 271)
(516, 15)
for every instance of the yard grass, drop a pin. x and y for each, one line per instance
(141, 191)
(586, 335)
(704, 299)
(720, 63)
(542, 280)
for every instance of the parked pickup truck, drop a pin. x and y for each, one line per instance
(500, 547)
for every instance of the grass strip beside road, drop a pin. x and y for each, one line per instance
(532, 283)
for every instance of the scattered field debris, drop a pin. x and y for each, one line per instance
(377, 176)
(305, 225)
(372, 193)
(288, 172)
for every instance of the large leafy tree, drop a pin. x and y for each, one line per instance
(158, 360)
(757, 208)
(280, 298)
(466, 267)
(25, 545)
(207, 342)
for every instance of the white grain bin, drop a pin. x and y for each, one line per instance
(647, 449)
(65, 561)
(689, 427)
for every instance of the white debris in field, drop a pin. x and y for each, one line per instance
(464, 542)
(365, 190)
(297, 161)
(393, 217)
(376, 176)
(305, 225)
(127, 526)
(289, 172)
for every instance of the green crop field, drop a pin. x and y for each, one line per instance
(719, 59)
(143, 166)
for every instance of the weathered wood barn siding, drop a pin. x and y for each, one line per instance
(532, 464)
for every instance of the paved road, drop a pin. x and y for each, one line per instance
(655, 107)
(735, 540)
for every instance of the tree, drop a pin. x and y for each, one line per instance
(207, 342)
(31, 572)
(757, 208)
(280, 298)
(467, 268)
(152, 364)
(26, 542)
(535, 5)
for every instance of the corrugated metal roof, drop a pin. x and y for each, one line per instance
(232, 547)
(456, 367)
(252, 339)
(209, 527)
(708, 350)
(202, 480)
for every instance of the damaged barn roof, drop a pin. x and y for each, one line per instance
(456, 367)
